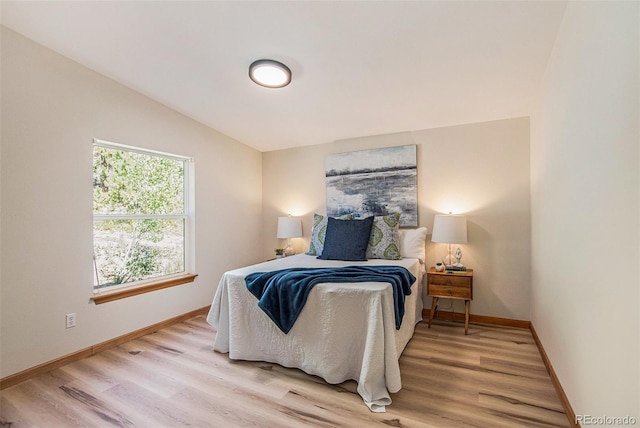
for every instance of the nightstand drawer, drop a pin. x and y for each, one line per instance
(461, 292)
(450, 280)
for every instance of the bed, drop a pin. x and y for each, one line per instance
(344, 332)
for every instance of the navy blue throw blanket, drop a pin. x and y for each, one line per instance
(282, 293)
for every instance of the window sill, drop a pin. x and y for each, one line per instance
(122, 293)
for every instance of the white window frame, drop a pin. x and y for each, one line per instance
(189, 233)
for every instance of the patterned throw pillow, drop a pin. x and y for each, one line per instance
(319, 232)
(384, 242)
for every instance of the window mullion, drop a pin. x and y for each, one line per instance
(137, 216)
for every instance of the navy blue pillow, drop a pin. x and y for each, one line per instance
(347, 239)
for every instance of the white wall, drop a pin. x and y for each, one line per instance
(585, 208)
(480, 169)
(52, 108)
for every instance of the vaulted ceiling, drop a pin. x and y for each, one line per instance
(359, 68)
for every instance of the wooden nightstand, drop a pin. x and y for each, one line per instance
(450, 286)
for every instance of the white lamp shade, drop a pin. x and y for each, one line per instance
(289, 227)
(449, 229)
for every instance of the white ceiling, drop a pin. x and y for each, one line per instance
(359, 68)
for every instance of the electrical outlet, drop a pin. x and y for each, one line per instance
(71, 320)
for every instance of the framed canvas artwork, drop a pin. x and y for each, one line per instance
(374, 182)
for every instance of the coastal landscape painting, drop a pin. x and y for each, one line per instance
(374, 182)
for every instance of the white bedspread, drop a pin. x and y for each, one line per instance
(345, 331)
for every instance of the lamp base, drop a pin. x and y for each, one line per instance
(289, 251)
(448, 261)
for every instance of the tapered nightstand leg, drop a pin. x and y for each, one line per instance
(467, 304)
(434, 303)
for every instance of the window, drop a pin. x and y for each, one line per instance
(141, 216)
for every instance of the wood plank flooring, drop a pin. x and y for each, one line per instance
(494, 377)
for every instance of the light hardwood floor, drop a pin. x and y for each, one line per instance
(494, 377)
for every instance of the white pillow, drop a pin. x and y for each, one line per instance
(412, 243)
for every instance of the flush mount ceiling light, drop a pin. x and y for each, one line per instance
(270, 73)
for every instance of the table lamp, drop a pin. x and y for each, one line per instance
(289, 227)
(450, 229)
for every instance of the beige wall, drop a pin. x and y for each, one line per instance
(52, 109)
(481, 170)
(559, 246)
(585, 214)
